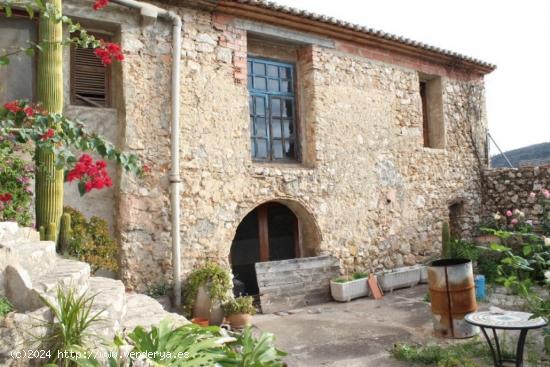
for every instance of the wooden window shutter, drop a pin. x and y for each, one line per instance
(90, 79)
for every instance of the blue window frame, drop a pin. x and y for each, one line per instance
(272, 110)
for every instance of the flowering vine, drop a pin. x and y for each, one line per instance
(90, 175)
(107, 52)
(24, 122)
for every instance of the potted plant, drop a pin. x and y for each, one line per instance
(239, 311)
(344, 289)
(206, 289)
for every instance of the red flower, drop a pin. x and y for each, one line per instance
(12, 106)
(100, 4)
(29, 111)
(47, 135)
(92, 175)
(6, 197)
(146, 168)
(108, 51)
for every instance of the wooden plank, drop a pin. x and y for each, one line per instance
(293, 283)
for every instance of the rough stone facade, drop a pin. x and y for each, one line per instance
(366, 190)
(509, 189)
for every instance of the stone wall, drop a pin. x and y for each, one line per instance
(510, 188)
(366, 191)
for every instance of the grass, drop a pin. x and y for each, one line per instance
(456, 355)
(5, 306)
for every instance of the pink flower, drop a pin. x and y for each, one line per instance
(509, 213)
(514, 221)
(546, 193)
(532, 195)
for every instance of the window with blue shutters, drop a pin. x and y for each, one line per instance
(272, 110)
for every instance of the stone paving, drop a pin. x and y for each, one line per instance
(354, 334)
(361, 333)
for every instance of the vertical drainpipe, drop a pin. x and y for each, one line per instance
(151, 12)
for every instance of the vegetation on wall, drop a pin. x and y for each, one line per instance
(16, 176)
(91, 242)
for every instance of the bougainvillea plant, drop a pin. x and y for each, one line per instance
(15, 183)
(106, 51)
(24, 122)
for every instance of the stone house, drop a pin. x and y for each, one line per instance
(300, 135)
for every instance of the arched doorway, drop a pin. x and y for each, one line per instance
(270, 232)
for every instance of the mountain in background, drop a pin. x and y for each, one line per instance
(532, 155)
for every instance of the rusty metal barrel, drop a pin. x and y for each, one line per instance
(452, 291)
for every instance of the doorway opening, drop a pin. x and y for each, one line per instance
(270, 232)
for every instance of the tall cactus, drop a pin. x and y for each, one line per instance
(49, 179)
(446, 246)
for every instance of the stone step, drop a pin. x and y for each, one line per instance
(110, 299)
(145, 311)
(24, 288)
(32, 256)
(10, 232)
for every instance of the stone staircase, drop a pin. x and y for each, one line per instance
(30, 268)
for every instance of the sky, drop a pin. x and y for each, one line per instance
(514, 35)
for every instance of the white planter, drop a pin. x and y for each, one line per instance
(345, 292)
(408, 276)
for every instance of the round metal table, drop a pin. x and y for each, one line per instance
(505, 320)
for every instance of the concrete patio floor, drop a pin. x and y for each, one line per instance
(353, 334)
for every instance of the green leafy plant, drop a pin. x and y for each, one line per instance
(456, 355)
(239, 305)
(463, 249)
(5, 306)
(91, 242)
(359, 275)
(71, 326)
(185, 346)
(214, 278)
(158, 290)
(15, 179)
(248, 351)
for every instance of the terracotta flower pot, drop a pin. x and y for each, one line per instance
(240, 320)
(200, 321)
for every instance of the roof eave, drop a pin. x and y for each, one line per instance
(259, 11)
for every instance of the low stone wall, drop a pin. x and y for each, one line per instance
(509, 188)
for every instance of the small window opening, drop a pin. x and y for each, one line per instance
(90, 79)
(433, 128)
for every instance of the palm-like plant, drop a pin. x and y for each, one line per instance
(70, 329)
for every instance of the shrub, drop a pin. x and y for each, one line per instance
(158, 290)
(5, 306)
(239, 305)
(214, 278)
(91, 242)
(15, 179)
